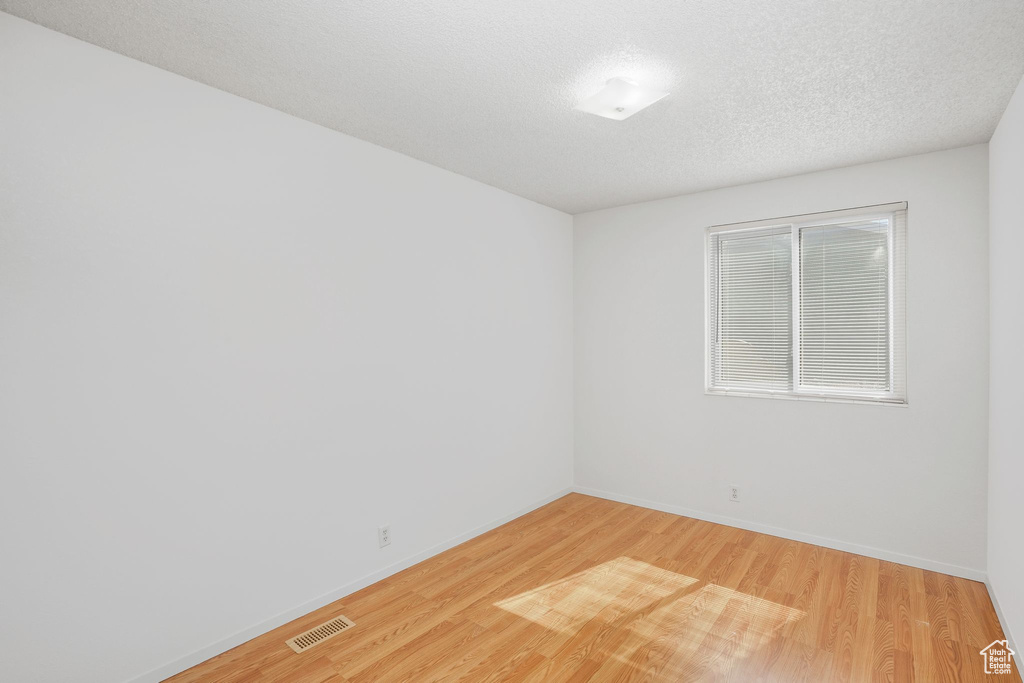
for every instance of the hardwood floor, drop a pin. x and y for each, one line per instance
(587, 589)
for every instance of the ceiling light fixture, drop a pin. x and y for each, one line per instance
(619, 99)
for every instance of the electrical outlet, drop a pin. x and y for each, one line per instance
(384, 535)
(734, 494)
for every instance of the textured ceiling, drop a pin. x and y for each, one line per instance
(486, 88)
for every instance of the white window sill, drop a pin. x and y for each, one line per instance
(817, 398)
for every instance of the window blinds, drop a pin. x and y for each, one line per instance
(809, 306)
(750, 277)
(844, 307)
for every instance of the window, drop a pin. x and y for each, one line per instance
(809, 306)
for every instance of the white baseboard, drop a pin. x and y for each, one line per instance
(1002, 620)
(190, 660)
(920, 562)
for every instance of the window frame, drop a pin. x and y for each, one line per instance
(896, 394)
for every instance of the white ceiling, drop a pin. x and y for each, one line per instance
(486, 88)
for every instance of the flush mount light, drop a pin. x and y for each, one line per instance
(619, 99)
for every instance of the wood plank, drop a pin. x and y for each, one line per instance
(585, 589)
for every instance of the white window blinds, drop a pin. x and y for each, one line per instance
(751, 282)
(810, 306)
(844, 306)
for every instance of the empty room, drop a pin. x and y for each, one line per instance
(535, 341)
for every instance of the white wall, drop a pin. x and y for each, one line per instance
(231, 344)
(905, 482)
(1006, 426)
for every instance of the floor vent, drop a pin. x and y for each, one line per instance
(315, 636)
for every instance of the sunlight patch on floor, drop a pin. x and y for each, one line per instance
(674, 626)
(610, 589)
(702, 631)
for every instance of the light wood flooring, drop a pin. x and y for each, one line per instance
(585, 589)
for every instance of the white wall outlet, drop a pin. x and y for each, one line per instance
(384, 535)
(734, 494)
